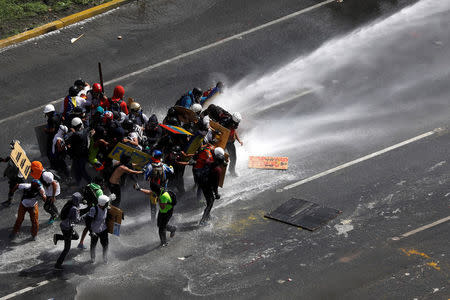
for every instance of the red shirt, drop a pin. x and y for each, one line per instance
(204, 157)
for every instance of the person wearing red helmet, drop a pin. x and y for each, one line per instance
(116, 102)
(96, 97)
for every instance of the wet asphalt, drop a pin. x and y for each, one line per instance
(241, 254)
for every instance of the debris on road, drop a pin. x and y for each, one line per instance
(73, 40)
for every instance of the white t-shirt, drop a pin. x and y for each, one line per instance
(26, 201)
(49, 189)
(98, 223)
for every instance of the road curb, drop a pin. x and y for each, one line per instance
(85, 14)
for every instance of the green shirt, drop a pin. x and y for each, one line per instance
(165, 198)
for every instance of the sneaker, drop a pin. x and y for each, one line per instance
(172, 233)
(59, 267)
(7, 203)
(34, 238)
(164, 244)
(217, 196)
(92, 261)
(81, 246)
(55, 239)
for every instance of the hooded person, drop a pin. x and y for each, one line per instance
(70, 215)
(117, 103)
(36, 169)
(153, 132)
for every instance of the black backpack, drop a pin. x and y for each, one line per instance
(173, 196)
(115, 105)
(66, 210)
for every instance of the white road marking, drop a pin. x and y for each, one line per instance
(356, 161)
(425, 227)
(22, 291)
(178, 57)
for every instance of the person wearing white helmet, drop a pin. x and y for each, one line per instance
(231, 148)
(197, 108)
(53, 121)
(52, 189)
(58, 161)
(77, 145)
(211, 183)
(97, 224)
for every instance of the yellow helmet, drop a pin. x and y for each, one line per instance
(135, 107)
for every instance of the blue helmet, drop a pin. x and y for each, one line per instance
(157, 154)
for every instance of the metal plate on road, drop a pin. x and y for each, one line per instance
(304, 214)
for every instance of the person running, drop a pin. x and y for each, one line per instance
(91, 193)
(97, 223)
(14, 176)
(157, 172)
(166, 203)
(29, 203)
(114, 181)
(70, 215)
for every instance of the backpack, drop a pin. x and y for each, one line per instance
(184, 100)
(91, 193)
(173, 196)
(115, 105)
(157, 175)
(55, 174)
(66, 210)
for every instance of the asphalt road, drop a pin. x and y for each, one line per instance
(375, 74)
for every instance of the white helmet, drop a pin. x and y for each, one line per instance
(76, 122)
(196, 108)
(102, 200)
(47, 177)
(63, 128)
(219, 151)
(236, 117)
(49, 108)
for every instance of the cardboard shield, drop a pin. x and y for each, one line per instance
(222, 136)
(139, 158)
(20, 159)
(115, 216)
(224, 171)
(194, 143)
(185, 115)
